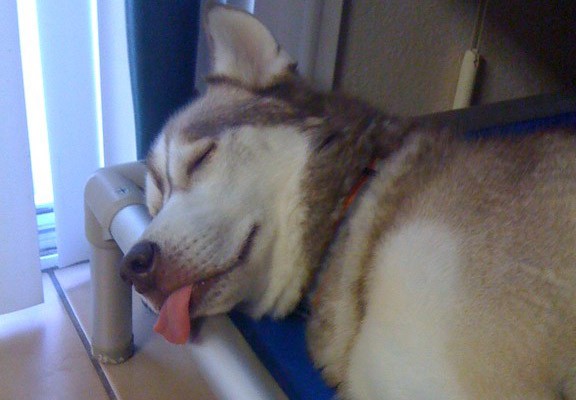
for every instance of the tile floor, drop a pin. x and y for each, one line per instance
(43, 352)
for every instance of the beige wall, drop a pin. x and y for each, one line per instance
(404, 55)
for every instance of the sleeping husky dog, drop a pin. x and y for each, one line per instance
(435, 266)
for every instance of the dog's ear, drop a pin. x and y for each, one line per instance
(243, 49)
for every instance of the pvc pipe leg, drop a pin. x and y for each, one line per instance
(112, 339)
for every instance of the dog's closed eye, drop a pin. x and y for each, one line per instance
(198, 161)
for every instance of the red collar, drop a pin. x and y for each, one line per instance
(367, 173)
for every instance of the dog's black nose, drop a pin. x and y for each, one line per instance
(138, 264)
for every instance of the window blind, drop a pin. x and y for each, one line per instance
(20, 278)
(88, 105)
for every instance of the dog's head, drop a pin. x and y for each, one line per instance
(240, 212)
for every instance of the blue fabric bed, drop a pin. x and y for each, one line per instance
(281, 347)
(565, 120)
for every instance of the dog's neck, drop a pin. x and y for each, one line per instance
(338, 170)
(349, 202)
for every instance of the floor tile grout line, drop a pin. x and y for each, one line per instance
(70, 311)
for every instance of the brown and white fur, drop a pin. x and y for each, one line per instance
(452, 275)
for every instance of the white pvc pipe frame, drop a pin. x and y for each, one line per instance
(115, 218)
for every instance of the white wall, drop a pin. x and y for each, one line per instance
(404, 56)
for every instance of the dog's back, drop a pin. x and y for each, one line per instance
(471, 292)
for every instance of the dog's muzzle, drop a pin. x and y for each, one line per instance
(137, 266)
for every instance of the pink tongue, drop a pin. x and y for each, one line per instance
(174, 320)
